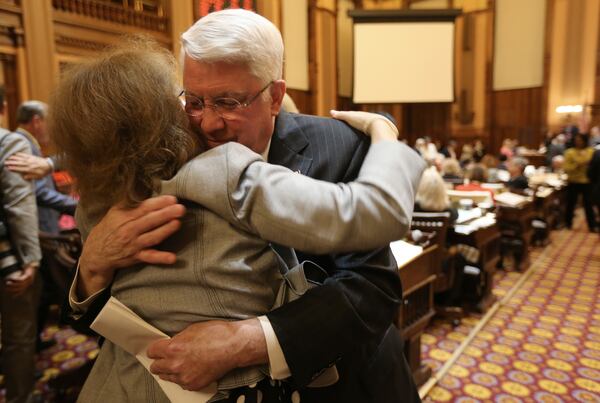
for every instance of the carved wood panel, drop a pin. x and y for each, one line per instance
(518, 114)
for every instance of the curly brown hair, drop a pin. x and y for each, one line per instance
(120, 125)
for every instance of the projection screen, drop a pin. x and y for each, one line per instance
(398, 62)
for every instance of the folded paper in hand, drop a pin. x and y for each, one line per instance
(127, 330)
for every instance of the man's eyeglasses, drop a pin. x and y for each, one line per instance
(227, 108)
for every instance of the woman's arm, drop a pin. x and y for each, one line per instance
(297, 211)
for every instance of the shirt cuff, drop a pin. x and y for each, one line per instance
(277, 364)
(51, 163)
(80, 307)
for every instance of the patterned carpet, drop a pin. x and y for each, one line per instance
(71, 350)
(543, 345)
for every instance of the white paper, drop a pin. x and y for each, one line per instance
(126, 329)
(404, 252)
(511, 199)
(482, 222)
(468, 215)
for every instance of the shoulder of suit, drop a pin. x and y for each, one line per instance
(12, 137)
(319, 125)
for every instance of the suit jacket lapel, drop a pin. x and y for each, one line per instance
(289, 145)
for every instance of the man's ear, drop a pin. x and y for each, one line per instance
(277, 93)
(35, 120)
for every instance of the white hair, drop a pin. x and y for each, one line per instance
(431, 194)
(237, 36)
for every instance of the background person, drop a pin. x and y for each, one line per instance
(576, 163)
(31, 118)
(19, 291)
(518, 181)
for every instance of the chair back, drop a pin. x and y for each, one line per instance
(61, 253)
(437, 222)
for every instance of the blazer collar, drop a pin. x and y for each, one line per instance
(289, 145)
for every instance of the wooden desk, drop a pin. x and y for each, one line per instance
(487, 241)
(418, 277)
(536, 159)
(515, 223)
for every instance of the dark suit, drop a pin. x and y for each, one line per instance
(519, 183)
(348, 320)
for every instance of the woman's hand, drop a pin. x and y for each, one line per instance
(372, 124)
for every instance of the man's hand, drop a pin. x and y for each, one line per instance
(125, 237)
(17, 285)
(30, 166)
(204, 352)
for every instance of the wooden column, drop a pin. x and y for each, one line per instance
(39, 48)
(270, 9)
(595, 107)
(323, 72)
(181, 13)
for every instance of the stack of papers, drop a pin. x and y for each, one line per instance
(511, 199)
(468, 215)
(405, 252)
(483, 222)
(543, 192)
(127, 330)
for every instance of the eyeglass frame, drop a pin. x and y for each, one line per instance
(240, 105)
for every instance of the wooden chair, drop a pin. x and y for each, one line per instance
(439, 223)
(61, 253)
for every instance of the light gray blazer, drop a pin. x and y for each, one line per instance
(226, 268)
(18, 201)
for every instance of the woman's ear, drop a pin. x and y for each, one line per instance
(277, 93)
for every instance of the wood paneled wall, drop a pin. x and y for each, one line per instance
(426, 119)
(303, 101)
(517, 114)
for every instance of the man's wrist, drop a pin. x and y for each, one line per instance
(249, 342)
(91, 281)
(50, 165)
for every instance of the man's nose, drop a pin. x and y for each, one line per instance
(211, 121)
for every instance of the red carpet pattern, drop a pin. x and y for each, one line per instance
(71, 351)
(542, 346)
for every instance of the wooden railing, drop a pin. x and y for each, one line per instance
(112, 13)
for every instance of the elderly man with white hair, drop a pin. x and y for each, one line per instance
(232, 75)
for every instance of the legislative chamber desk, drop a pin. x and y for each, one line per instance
(515, 222)
(487, 241)
(418, 277)
(550, 198)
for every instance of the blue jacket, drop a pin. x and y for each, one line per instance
(51, 203)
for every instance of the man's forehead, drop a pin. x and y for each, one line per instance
(216, 78)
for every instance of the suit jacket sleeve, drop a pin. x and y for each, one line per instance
(297, 211)
(18, 201)
(81, 321)
(347, 316)
(49, 197)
